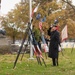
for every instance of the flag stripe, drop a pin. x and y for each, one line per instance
(40, 25)
(35, 10)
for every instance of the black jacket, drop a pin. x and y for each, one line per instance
(54, 43)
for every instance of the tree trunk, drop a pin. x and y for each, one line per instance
(13, 39)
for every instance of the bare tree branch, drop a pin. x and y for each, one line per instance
(69, 4)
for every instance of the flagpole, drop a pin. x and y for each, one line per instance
(30, 8)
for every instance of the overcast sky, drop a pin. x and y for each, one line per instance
(7, 5)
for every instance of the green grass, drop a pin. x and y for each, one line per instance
(31, 67)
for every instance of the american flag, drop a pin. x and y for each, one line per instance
(42, 37)
(40, 26)
(35, 47)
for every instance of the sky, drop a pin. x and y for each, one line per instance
(7, 5)
(73, 2)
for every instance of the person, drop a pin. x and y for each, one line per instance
(54, 44)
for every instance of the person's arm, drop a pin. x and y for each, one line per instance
(57, 37)
(49, 31)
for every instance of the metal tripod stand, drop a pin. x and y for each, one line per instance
(33, 42)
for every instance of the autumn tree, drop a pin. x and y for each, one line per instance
(19, 16)
(15, 21)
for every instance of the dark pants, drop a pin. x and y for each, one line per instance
(55, 61)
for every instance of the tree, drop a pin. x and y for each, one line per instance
(15, 22)
(49, 8)
(10, 29)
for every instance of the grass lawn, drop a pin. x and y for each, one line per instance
(31, 67)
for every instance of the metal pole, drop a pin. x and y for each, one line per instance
(0, 6)
(0, 13)
(30, 8)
